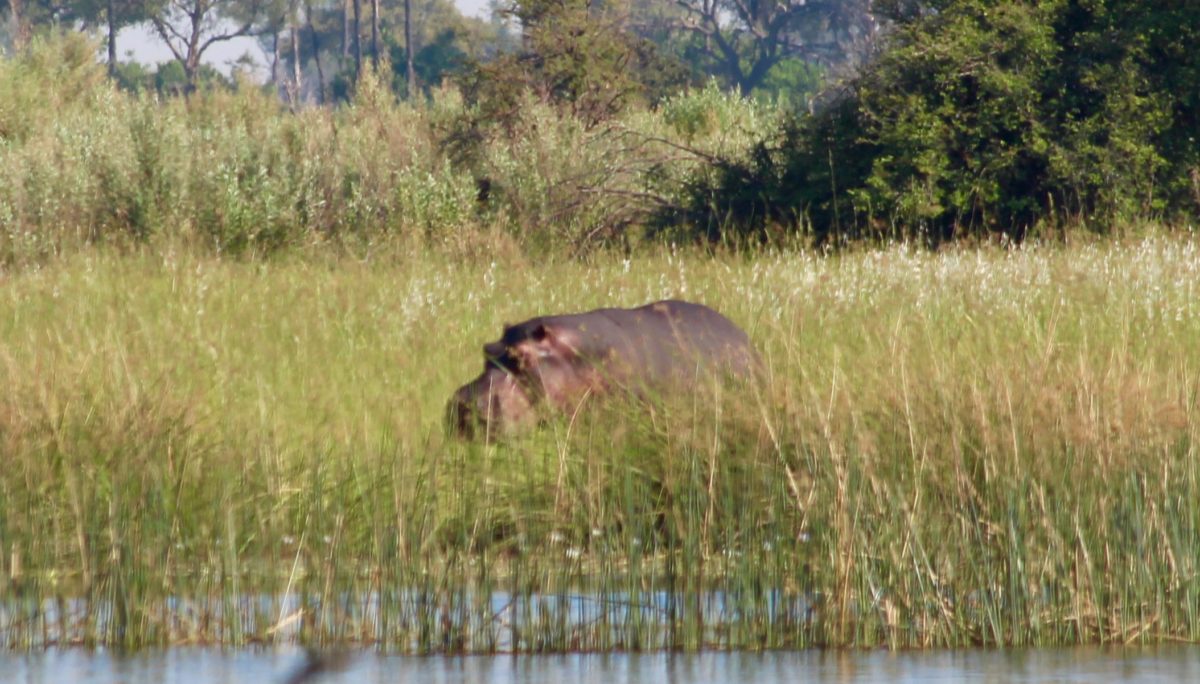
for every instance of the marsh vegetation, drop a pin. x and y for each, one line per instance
(228, 332)
(984, 446)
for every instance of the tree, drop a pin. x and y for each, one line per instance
(26, 15)
(283, 20)
(19, 24)
(310, 46)
(576, 55)
(191, 27)
(1161, 37)
(743, 40)
(985, 117)
(113, 15)
(432, 40)
(410, 75)
(316, 49)
(357, 38)
(117, 15)
(442, 56)
(300, 33)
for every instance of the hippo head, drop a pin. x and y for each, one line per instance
(532, 364)
(495, 402)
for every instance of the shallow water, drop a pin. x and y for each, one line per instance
(197, 665)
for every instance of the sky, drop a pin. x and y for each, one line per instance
(143, 45)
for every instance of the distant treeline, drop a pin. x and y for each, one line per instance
(936, 121)
(317, 49)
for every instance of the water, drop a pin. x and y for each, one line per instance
(504, 622)
(204, 666)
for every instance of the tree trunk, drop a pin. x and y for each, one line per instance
(191, 73)
(191, 65)
(296, 92)
(346, 28)
(375, 32)
(409, 74)
(112, 38)
(21, 35)
(275, 62)
(357, 40)
(316, 48)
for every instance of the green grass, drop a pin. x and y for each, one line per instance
(978, 446)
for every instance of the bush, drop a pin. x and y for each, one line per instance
(236, 172)
(981, 117)
(576, 56)
(230, 170)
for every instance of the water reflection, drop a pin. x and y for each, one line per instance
(197, 666)
(422, 621)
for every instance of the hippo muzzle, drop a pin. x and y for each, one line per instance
(492, 404)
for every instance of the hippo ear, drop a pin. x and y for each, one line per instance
(562, 341)
(546, 341)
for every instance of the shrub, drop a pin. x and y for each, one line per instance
(238, 173)
(980, 117)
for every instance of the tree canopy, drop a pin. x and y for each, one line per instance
(743, 40)
(984, 117)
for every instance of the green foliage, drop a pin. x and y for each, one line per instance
(578, 75)
(53, 74)
(167, 78)
(445, 43)
(438, 59)
(758, 47)
(235, 171)
(1160, 38)
(981, 117)
(231, 170)
(134, 77)
(793, 80)
(602, 191)
(576, 57)
(956, 110)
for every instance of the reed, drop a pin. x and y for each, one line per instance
(977, 446)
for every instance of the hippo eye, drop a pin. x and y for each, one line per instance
(505, 361)
(509, 361)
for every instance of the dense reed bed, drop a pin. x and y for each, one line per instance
(984, 446)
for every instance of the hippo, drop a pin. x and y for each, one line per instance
(552, 363)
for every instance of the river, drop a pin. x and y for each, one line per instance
(1177, 663)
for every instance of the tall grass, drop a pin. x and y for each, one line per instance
(970, 447)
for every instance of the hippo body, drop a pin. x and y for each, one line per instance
(557, 361)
